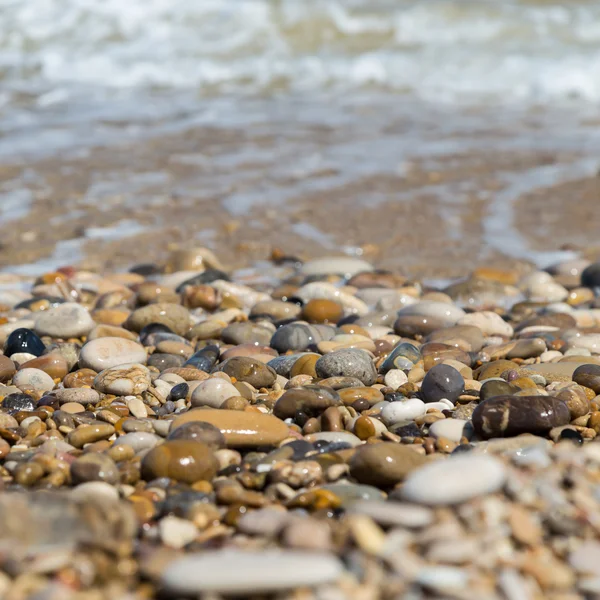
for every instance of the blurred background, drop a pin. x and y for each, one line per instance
(427, 136)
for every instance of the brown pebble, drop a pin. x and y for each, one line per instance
(87, 434)
(80, 378)
(28, 474)
(322, 311)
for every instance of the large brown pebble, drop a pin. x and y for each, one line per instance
(322, 310)
(384, 464)
(7, 369)
(506, 416)
(182, 460)
(199, 431)
(576, 400)
(94, 467)
(305, 365)
(80, 378)
(241, 429)
(28, 474)
(52, 364)
(494, 369)
(350, 395)
(174, 316)
(312, 400)
(250, 370)
(588, 376)
(89, 433)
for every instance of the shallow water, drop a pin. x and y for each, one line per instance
(328, 94)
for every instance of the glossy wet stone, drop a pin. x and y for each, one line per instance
(173, 316)
(588, 376)
(295, 337)
(310, 400)
(24, 340)
(68, 320)
(16, 402)
(201, 432)
(249, 370)
(123, 380)
(213, 392)
(496, 387)
(181, 460)
(106, 352)
(442, 381)
(204, 359)
(384, 464)
(506, 416)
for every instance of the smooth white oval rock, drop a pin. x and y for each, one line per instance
(454, 480)
(247, 573)
(105, 352)
(33, 379)
(489, 322)
(448, 314)
(451, 429)
(403, 410)
(394, 514)
(68, 320)
(95, 490)
(139, 440)
(213, 392)
(394, 378)
(336, 265)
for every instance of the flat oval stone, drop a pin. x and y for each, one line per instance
(200, 432)
(394, 514)
(497, 387)
(23, 340)
(295, 337)
(246, 332)
(588, 376)
(94, 466)
(442, 381)
(68, 320)
(447, 314)
(312, 400)
(138, 440)
(89, 434)
(123, 380)
(249, 573)
(103, 353)
(282, 365)
(247, 369)
(345, 266)
(277, 309)
(384, 464)
(350, 362)
(334, 437)
(174, 316)
(402, 410)
(455, 480)
(506, 416)
(213, 392)
(181, 460)
(33, 379)
(53, 364)
(241, 429)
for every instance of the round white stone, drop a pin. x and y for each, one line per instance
(489, 322)
(64, 321)
(403, 410)
(454, 480)
(213, 392)
(394, 378)
(105, 352)
(451, 429)
(33, 379)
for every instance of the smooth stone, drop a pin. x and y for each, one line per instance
(246, 333)
(394, 514)
(345, 266)
(52, 364)
(89, 433)
(494, 369)
(138, 440)
(282, 365)
(123, 380)
(245, 572)
(588, 376)
(401, 351)
(506, 416)
(295, 337)
(350, 493)
(68, 350)
(208, 276)
(497, 387)
(334, 437)
(277, 309)
(321, 290)
(182, 460)
(351, 394)
(213, 392)
(403, 410)
(68, 320)
(15, 402)
(350, 362)
(585, 558)
(590, 276)
(94, 466)
(320, 310)
(204, 359)
(311, 400)
(394, 378)
(165, 361)
(247, 369)
(72, 407)
(106, 352)
(451, 429)
(384, 464)
(442, 381)
(94, 491)
(33, 379)
(266, 522)
(241, 429)
(466, 337)
(455, 480)
(7, 369)
(490, 323)
(101, 331)
(174, 316)
(201, 432)
(447, 314)
(23, 340)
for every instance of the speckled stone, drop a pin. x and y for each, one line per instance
(123, 380)
(106, 352)
(68, 320)
(442, 381)
(181, 460)
(384, 464)
(250, 370)
(506, 416)
(350, 362)
(174, 316)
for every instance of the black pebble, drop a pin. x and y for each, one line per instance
(24, 340)
(571, 434)
(16, 402)
(179, 392)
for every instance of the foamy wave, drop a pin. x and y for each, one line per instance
(442, 51)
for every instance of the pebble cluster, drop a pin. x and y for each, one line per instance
(318, 430)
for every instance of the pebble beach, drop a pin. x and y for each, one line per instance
(309, 429)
